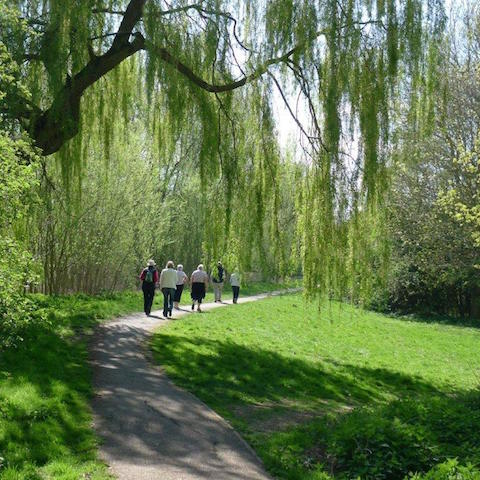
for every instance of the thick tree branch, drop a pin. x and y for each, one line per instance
(165, 55)
(59, 123)
(131, 17)
(53, 127)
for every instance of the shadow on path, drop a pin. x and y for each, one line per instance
(151, 429)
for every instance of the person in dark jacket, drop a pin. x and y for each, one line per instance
(217, 280)
(149, 278)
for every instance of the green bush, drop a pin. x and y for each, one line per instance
(17, 182)
(449, 470)
(411, 435)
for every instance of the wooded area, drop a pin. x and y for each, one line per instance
(137, 129)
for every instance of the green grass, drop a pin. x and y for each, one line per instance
(45, 388)
(246, 290)
(345, 392)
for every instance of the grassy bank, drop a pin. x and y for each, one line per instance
(45, 387)
(345, 393)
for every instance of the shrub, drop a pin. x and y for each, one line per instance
(449, 470)
(17, 194)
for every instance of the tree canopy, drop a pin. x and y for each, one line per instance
(350, 50)
(201, 76)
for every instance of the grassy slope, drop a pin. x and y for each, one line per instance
(45, 429)
(347, 392)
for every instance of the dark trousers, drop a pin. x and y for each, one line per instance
(148, 294)
(178, 293)
(168, 294)
(236, 291)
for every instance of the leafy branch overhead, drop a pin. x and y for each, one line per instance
(56, 124)
(207, 46)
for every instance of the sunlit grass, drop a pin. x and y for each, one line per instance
(45, 389)
(253, 288)
(343, 391)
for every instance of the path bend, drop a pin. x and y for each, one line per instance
(150, 429)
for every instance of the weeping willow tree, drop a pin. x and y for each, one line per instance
(210, 68)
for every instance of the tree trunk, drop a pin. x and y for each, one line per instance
(475, 302)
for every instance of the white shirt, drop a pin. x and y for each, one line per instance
(181, 276)
(235, 280)
(199, 276)
(168, 278)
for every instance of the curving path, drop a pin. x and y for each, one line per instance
(151, 429)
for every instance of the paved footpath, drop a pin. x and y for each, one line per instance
(150, 428)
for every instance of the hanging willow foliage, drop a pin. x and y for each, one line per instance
(199, 67)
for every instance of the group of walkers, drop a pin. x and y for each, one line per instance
(171, 282)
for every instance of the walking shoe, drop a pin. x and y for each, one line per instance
(193, 306)
(169, 313)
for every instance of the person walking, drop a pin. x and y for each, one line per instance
(149, 278)
(235, 283)
(217, 281)
(199, 285)
(182, 279)
(168, 285)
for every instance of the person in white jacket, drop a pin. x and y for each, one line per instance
(168, 285)
(182, 279)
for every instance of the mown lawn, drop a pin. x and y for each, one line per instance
(344, 393)
(253, 288)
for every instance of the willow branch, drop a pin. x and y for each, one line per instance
(109, 11)
(131, 17)
(289, 108)
(165, 55)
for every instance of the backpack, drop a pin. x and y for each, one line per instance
(149, 276)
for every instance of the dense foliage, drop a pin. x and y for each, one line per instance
(18, 181)
(16, 264)
(199, 77)
(433, 205)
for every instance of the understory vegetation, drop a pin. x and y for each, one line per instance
(343, 392)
